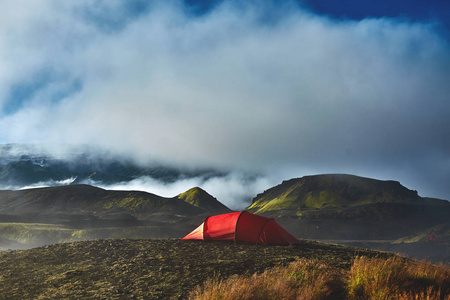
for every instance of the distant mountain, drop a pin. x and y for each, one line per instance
(25, 165)
(338, 206)
(85, 199)
(334, 190)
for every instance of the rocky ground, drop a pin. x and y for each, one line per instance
(146, 269)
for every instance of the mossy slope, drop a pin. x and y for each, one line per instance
(333, 191)
(201, 199)
(347, 207)
(87, 199)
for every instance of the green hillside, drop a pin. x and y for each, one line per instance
(201, 199)
(346, 207)
(333, 191)
(40, 216)
(88, 199)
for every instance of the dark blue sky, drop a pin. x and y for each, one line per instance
(359, 9)
(412, 10)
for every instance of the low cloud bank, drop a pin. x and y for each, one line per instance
(41, 184)
(236, 190)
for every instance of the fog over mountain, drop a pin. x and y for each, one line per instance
(25, 166)
(271, 88)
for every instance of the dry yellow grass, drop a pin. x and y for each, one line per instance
(303, 279)
(397, 278)
(309, 279)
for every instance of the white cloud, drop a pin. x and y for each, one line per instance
(43, 184)
(228, 89)
(235, 190)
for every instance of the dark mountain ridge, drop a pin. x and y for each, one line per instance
(25, 165)
(88, 199)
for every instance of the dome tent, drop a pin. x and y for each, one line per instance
(242, 227)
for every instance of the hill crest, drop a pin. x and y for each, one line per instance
(88, 199)
(200, 198)
(334, 190)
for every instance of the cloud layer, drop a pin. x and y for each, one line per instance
(236, 190)
(256, 87)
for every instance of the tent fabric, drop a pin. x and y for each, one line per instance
(196, 234)
(242, 227)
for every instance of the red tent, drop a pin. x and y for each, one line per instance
(242, 227)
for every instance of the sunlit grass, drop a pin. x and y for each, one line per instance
(396, 278)
(37, 234)
(303, 279)
(33, 232)
(369, 278)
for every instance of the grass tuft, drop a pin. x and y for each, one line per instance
(303, 279)
(369, 278)
(397, 278)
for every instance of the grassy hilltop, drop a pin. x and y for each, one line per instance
(334, 191)
(175, 269)
(347, 207)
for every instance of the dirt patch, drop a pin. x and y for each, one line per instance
(146, 269)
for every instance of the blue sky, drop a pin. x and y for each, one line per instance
(416, 10)
(285, 88)
(413, 10)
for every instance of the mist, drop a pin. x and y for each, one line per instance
(235, 190)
